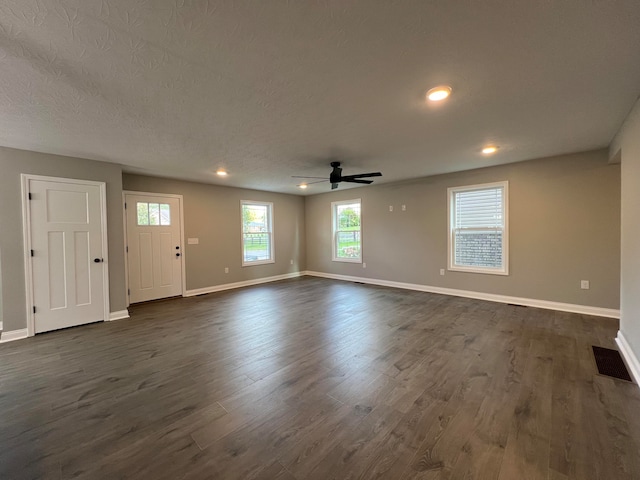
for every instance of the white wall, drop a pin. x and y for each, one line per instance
(628, 143)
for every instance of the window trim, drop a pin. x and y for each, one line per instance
(272, 256)
(334, 231)
(451, 266)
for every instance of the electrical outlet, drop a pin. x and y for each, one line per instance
(364, 265)
(391, 208)
(404, 208)
(226, 269)
(442, 271)
(291, 262)
(584, 284)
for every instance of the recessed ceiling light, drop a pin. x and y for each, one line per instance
(221, 173)
(439, 93)
(303, 186)
(489, 150)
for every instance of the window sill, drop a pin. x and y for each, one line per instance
(478, 270)
(347, 260)
(257, 262)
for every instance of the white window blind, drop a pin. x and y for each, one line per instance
(478, 233)
(479, 208)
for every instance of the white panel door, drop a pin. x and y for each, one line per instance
(154, 251)
(67, 254)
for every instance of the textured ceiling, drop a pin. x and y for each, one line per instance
(270, 89)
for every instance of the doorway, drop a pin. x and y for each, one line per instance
(154, 246)
(65, 232)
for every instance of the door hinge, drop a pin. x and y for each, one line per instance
(127, 248)
(125, 205)
(32, 253)
(34, 309)
(128, 291)
(30, 197)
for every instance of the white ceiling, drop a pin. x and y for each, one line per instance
(270, 89)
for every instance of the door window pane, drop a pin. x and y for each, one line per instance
(153, 213)
(143, 213)
(165, 214)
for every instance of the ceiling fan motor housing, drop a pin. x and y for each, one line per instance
(336, 173)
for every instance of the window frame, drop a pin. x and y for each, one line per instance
(334, 231)
(451, 265)
(270, 232)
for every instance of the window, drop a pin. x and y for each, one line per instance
(347, 235)
(478, 228)
(257, 233)
(153, 213)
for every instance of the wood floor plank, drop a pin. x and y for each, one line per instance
(315, 378)
(274, 471)
(528, 447)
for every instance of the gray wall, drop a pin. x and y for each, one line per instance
(629, 141)
(12, 164)
(564, 227)
(212, 214)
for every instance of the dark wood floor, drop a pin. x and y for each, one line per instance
(317, 379)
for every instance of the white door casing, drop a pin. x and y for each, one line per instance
(154, 246)
(65, 233)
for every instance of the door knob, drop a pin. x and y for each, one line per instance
(98, 260)
(177, 254)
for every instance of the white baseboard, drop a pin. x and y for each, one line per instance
(491, 297)
(246, 283)
(119, 315)
(23, 332)
(12, 335)
(632, 361)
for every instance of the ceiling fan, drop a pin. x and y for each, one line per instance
(336, 177)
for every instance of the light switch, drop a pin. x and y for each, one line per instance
(193, 241)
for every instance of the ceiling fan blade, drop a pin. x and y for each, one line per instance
(363, 175)
(356, 180)
(317, 181)
(335, 177)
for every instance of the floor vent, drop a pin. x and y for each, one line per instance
(610, 363)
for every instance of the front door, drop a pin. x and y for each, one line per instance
(154, 247)
(66, 220)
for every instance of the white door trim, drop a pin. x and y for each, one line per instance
(182, 242)
(25, 178)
